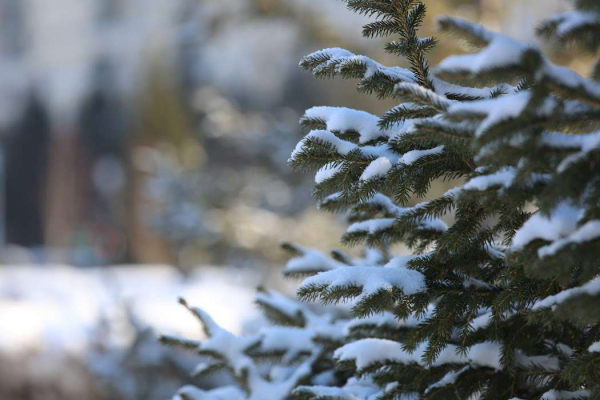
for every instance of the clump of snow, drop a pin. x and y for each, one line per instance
(343, 147)
(448, 379)
(590, 288)
(588, 231)
(500, 52)
(371, 226)
(561, 222)
(594, 347)
(504, 177)
(366, 352)
(443, 87)
(345, 119)
(588, 143)
(559, 140)
(326, 172)
(495, 110)
(482, 321)
(374, 226)
(382, 165)
(413, 155)
(376, 168)
(388, 319)
(565, 395)
(571, 20)
(395, 274)
(387, 204)
(341, 57)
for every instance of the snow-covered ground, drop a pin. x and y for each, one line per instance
(72, 333)
(58, 307)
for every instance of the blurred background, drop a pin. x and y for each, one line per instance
(143, 150)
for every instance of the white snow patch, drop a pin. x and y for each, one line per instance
(495, 110)
(574, 19)
(594, 347)
(588, 143)
(345, 119)
(590, 288)
(588, 231)
(326, 172)
(376, 168)
(561, 222)
(564, 395)
(448, 379)
(501, 51)
(342, 57)
(394, 274)
(504, 178)
(413, 155)
(366, 352)
(343, 147)
(371, 226)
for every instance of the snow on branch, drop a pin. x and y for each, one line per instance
(502, 55)
(310, 262)
(418, 94)
(376, 169)
(371, 226)
(491, 111)
(342, 119)
(585, 233)
(565, 395)
(382, 165)
(449, 379)
(354, 389)
(587, 143)
(223, 393)
(365, 281)
(335, 61)
(594, 347)
(498, 52)
(281, 309)
(561, 223)
(566, 26)
(501, 178)
(386, 204)
(591, 288)
(340, 146)
(388, 319)
(368, 352)
(293, 344)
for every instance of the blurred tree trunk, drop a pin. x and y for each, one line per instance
(66, 194)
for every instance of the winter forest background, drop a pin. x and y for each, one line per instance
(143, 156)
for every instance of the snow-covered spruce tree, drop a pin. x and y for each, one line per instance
(504, 302)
